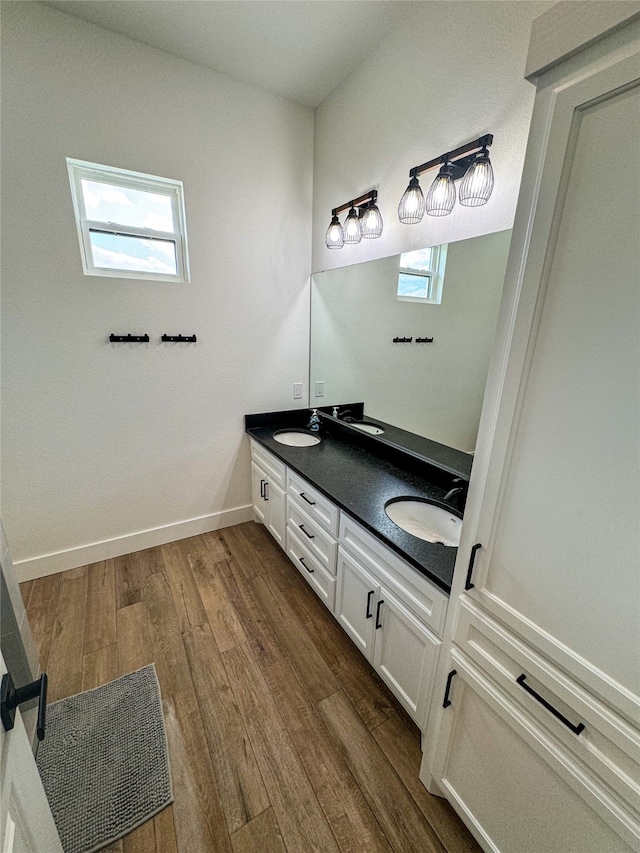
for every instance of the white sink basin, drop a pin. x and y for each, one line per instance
(372, 429)
(426, 521)
(296, 438)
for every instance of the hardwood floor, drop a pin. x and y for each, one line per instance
(281, 736)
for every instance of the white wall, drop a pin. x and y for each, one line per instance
(451, 73)
(102, 441)
(435, 390)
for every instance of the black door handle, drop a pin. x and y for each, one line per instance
(369, 613)
(472, 559)
(11, 697)
(576, 729)
(310, 535)
(262, 482)
(447, 689)
(301, 559)
(378, 622)
(266, 486)
(304, 497)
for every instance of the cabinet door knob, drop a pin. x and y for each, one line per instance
(378, 622)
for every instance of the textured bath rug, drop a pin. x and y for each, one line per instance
(104, 762)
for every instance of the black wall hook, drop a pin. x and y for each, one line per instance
(402, 340)
(129, 339)
(424, 340)
(181, 339)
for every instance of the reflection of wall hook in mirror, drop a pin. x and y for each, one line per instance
(402, 340)
(424, 340)
(180, 339)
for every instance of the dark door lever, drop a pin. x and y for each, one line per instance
(11, 697)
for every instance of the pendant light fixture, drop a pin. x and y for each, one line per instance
(470, 163)
(352, 233)
(364, 220)
(335, 234)
(477, 184)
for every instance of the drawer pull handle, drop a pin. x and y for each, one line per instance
(447, 689)
(266, 486)
(575, 729)
(369, 613)
(310, 535)
(305, 565)
(378, 622)
(474, 551)
(262, 482)
(304, 497)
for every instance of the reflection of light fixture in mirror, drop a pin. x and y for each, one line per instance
(335, 235)
(470, 163)
(352, 233)
(363, 220)
(442, 193)
(411, 207)
(477, 184)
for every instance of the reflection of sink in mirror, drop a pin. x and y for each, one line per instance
(425, 521)
(435, 389)
(296, 438)
(372, 429)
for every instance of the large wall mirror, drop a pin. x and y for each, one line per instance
(450, 294)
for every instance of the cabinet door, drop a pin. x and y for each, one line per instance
(258, 480)
(514, 787)
(275, 499)
(405, 655)
(558, 521)
(356, 598)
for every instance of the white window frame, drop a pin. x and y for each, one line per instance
(79, 169)
(435, 275)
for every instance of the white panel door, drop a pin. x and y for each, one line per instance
(258, 480)
(26, 823)
(356, 596)
(276, 503)
(405, 654)
(561, 531)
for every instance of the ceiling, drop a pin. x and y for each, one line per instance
(300, 49)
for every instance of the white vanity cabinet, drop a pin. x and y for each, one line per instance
(386, 606)
(538, 747)
(268, 493)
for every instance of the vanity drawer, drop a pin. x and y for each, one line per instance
(418, 593)
(602, 740)
(274, 468)
(316, 576)
(315, 504)
(318, 541)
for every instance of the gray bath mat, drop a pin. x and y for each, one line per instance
(104, 761)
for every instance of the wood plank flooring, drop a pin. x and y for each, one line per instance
(282, 738)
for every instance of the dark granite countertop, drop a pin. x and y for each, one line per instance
(361, 483)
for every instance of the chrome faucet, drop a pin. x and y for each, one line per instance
(456, 490)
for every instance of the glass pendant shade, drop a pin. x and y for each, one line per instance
(477, 184)
(371, 223)
(442, 194)
(352, 233)
(335, 235)
(412, 204)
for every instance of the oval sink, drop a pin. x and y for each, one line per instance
(296, 438)
(372, 429)
(425, 521)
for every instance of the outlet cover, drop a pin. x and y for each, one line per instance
(319, 389)
(297, 390)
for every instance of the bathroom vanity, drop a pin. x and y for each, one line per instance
(324, 504)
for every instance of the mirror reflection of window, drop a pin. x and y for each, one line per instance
(421, 275)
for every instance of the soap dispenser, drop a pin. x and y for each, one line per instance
(314, 423)
(334, 413)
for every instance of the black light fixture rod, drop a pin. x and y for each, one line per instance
(482, 142)
(372, 195)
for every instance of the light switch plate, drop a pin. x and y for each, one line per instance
(319, 389)
(297, 390)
